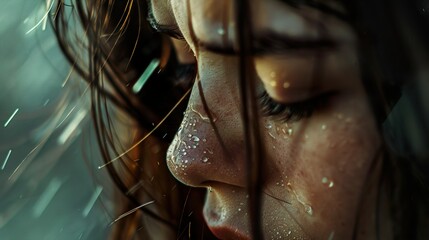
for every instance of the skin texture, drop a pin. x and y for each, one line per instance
(320, 170)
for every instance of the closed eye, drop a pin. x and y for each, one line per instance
(292, 112)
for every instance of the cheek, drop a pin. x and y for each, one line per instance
(323, 163)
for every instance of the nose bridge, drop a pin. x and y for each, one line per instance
(197, 154)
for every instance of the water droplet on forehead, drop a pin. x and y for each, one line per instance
(221, 31)
(286, 85)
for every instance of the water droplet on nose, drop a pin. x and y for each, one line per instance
(273, 74)
(309, 210)
(195, 138)
(189, 135)
(204, 117)
(208, 151)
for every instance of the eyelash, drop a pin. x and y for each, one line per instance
(291, 112)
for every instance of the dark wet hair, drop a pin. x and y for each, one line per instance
(115, 44)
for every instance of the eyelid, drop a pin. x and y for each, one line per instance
(170, 30)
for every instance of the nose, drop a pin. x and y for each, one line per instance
(206, 151)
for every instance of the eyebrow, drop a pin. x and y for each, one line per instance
(316, 4)
(265, 42)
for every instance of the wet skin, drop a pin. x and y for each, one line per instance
(319, 177)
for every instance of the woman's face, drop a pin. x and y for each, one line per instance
(320, 142)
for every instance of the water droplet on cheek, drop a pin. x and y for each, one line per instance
(307, 207)
(328, 182)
